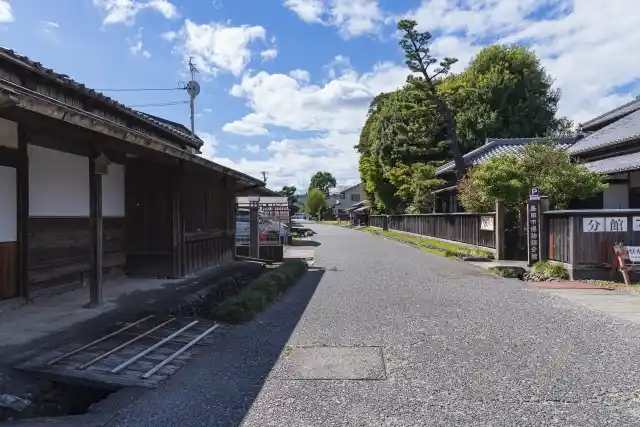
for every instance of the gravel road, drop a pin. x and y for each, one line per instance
(445, 343)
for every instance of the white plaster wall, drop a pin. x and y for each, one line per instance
(113, 191)
(58, 183)
(8, 133)
(616, 197)
(8, 205)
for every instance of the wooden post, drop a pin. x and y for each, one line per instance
(544, 228)
(574, 222)
(254, 232)
(22, 183)
(177, 228)
(499, 229)
(95, 220)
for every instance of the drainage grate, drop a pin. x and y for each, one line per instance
(142, 353)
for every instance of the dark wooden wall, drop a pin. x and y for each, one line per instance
(149, 223)
(59, 249)
(8, 269)
(208, 210)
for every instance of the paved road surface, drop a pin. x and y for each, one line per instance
(461, 348)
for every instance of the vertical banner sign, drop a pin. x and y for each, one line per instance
(533, 230)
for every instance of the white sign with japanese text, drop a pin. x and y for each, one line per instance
(486, 223)
(636, 223)
(634, 254)
(615, 224)
(592, 225)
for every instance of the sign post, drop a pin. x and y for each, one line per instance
(534, 218)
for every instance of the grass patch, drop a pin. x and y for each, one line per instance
(546, 271)
(330, 222)
(449, 250)
(508, 272)
(259, 294)
(606, 284)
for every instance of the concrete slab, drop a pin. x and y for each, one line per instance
(618, 304)
(333, 363)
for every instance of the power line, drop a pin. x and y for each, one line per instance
(139, 89)
(163, 104)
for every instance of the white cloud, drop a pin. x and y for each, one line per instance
(352, 17)
(268, 54)
(50, 30)
(126, 11)
(210, 143)
(294, 161)
(207, 110)
(169, 36)
(252, 148)
(6, 13)
(218, 46)
(136, 47)
(589, 59)
(51, 24)
(301, 75)
(291, 102)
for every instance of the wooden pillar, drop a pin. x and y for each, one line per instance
(178, 223)
(183, 189)
(499, 228)
(22, 182)
(254, 232)
(96, 236)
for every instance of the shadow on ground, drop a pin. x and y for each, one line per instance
(219, 387)
(303, 243)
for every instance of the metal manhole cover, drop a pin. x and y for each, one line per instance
(333, 363)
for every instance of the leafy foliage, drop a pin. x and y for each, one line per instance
(315, 201)
(323, 181)
(504, 93)
(289, 191)
(510, 178)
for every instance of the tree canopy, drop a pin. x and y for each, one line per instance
(315, 201)
(323, 181)
(289, 191)
(503, 93)
(509, 178)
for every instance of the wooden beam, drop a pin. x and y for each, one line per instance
(22, 182)
(178, 220)
(95, 220)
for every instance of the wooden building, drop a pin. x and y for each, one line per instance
(446, 198)
(89, 186)
(610, 144)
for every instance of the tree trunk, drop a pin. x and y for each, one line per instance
(452, 136)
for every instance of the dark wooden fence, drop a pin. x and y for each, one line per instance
(586, 237)
(458, 227)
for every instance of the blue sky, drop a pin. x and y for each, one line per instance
(286, 83)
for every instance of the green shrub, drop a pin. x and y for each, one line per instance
(260, 293)
(549, 270)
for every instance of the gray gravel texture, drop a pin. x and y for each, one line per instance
(461, 348)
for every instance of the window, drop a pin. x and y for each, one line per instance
(355, 197)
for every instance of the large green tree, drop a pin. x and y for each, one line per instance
(510, 178)
(289, 191)
(315, 202)
(323, 181)
(503, 93)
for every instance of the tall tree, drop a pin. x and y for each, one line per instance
(289, 191)
(418, 58)
(315, 202)
(323, 181)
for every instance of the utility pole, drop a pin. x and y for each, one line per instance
(193, 89)
(265, 174)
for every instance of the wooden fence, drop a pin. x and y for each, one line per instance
(477, 229)
(585, 238)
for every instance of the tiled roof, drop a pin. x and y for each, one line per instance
(623, 130)
(622, 163)
(64, 80)
(609, 116)
(494, 147)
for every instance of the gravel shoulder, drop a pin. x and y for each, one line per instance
(459, 346)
